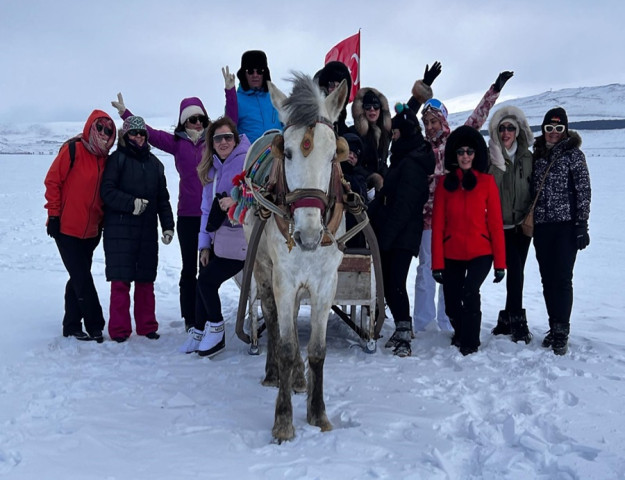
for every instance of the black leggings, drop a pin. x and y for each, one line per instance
(188, 229)
(462, 281)
(517, 246)
(395, 266)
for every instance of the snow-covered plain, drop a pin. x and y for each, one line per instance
(140, 410)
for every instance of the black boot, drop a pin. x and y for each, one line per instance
(560, 338)
(503, 324)
(403, 333)
(519, 328)
(548, 340)
(470, 332)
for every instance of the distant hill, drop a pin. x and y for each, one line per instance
(589, 108)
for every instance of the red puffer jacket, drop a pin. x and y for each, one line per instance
(467, 223)
(73, 194)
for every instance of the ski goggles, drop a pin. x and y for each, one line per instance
(435, 105)
(557, 128)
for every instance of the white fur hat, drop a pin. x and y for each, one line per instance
(189, 112)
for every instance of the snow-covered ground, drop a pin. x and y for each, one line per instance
(140, 410)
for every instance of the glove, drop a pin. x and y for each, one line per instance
(119, 104)
(502, 78)
(499, 274)
(54, 227)
(438, 276)
(430, 74)
(228, 77)
(581, 234)
(167, 237)
(140, 205)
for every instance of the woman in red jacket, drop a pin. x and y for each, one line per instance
(467, 234)
(75, 220)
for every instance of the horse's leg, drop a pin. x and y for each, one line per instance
(299, 370)
(268, 305)
(283, 423)
(316, 408)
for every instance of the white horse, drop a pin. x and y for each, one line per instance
(297, 251)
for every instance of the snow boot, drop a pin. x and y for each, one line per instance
(192, 343)
(548, 340)
(560, 338)
(214, 339)
(503, 324)
(403, 333)
(470, 332)
(519, 328)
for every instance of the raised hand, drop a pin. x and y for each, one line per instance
(430, 74)
(228, 77)
(502, 78)
(119, 104)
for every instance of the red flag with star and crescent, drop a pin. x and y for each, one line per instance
(348, 52)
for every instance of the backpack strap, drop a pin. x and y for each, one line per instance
(72, 153)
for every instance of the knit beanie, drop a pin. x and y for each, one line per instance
(371, 98)
(133, 123)
(558, 116)
(405, 121)
(191, 106)
(253, 59)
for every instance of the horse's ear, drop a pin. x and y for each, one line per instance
(277, 99)
(336, 100)
(342, 149)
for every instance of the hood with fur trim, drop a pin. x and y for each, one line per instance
(525, 138)
(361, 124)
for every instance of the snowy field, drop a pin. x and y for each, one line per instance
(140, 410)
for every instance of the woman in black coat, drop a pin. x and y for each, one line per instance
(397, 217)
(135, 196)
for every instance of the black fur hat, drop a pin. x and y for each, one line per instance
(464, 136)
(334, 72)
(556, 115)
(253, 59)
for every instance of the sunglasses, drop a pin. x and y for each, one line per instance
(258, 71)
(465, 151)
(134, 132)
(108, 131)
(557, 128)
(436, 105)
(228, 137)
(195, 118)
(371, 106)
(507, 128)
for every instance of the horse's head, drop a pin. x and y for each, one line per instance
(310, 147)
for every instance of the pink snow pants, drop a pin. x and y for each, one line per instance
(144, 309)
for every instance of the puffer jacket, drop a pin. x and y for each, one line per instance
(566, 193)
(467, 224)
(252, 111)
(513, 182)
(131, 241)
(73, 194)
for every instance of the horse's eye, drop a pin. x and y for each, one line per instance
(288, 154)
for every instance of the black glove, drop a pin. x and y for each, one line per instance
(430, 74)
(54, 227)
(502, 78)
(438, 276)
(581, 235)
(217, 216)
(499, 274)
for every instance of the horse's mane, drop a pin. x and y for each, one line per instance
(303, 106)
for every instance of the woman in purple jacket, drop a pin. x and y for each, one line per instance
(186, 144)
(222, 246)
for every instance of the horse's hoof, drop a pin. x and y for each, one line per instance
(299, 386)
(283, 434)
(270, 382)
(323, 423)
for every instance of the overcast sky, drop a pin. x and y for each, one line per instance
(61, 59)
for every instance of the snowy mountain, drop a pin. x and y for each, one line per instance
(585, 103)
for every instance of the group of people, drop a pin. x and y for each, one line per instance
(442, 196)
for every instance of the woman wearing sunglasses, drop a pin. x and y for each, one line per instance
(134, 191)
(511, 165)
(467, 234)
(560, 219)
(186, 145)
(434, 117)
(75, 219)
(250, 106)
(222, 245)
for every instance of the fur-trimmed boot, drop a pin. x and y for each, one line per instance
(503, 324)
(560, 338)
(403, 334)
(518, 326)
(214, 339)
(548, 340)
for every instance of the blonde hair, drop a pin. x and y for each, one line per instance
(207, 157)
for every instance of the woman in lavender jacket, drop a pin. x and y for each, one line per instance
(186, 144)
(222, 246)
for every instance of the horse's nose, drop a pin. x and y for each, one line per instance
(307, 242)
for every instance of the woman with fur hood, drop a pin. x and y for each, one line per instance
(511, 164)
(560, 219)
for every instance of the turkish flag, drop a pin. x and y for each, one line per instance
(348, 52)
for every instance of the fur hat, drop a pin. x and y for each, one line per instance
(253, 59)
(334, 72)
(361, 124)
(133, 123)
(405, 121)
(556, 115)
(354, 142)
(466, 136)
(189, 107)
